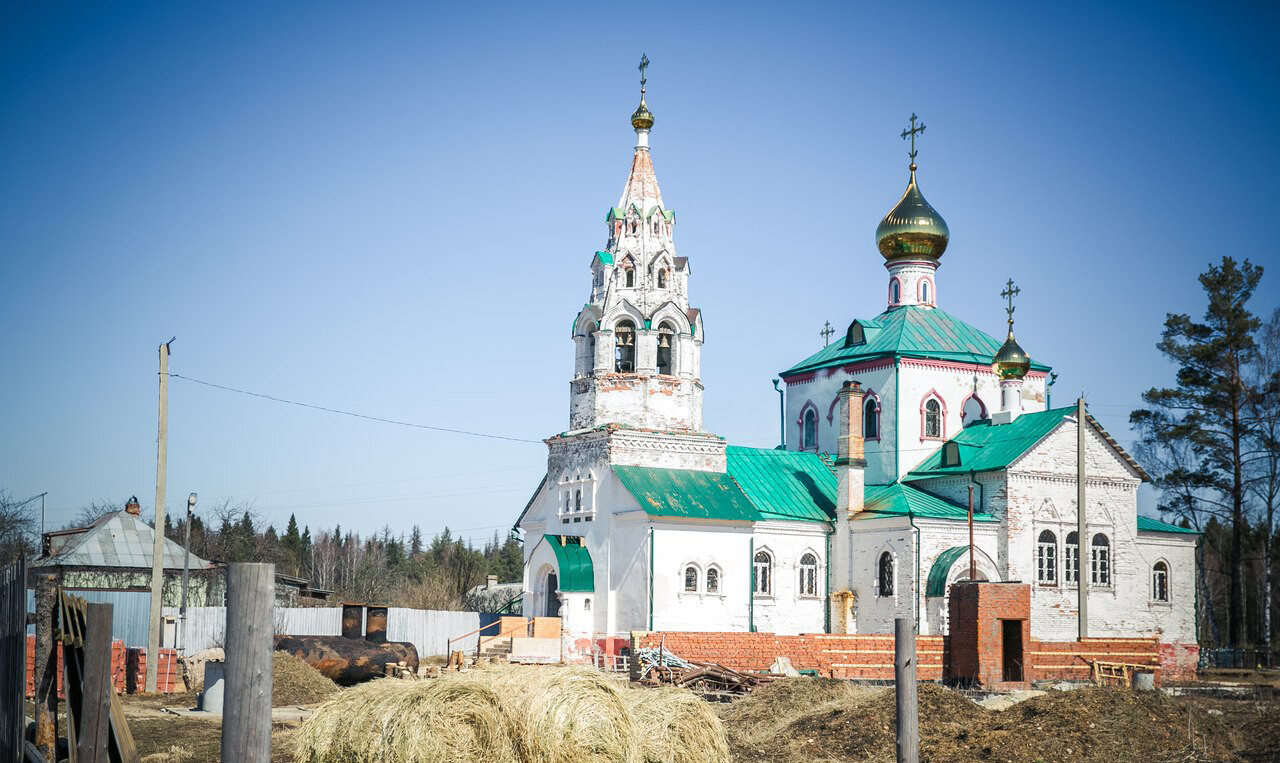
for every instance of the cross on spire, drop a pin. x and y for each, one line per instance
(644, 64)
(1010, 291)
(912, 133)
(826, 333)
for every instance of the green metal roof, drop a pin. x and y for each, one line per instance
(686, 493)
(1150, 525)
(937, 582)
(983, 446)
(576, 573)
(910, 332)
(784, 484)
(605, 258)
(900, 499)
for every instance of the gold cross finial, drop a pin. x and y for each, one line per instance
(644, 64)
(912, 133)
(826, 333)
(1010, 291)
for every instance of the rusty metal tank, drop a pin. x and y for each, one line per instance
(350, 659)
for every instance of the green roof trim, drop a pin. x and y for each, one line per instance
(910, 332)
(1150, 525)
(983, 446)
(614, 213)
(899, 499)
(937, 581)
(605, 258)
(784, 484)
(577, 575)
(687, 493)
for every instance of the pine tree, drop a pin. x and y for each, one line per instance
(415, 542)
(1198, 428)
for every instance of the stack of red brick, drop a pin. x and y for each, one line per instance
(128, 669)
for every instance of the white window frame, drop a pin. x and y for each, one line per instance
(809, 589)
(1049, 559)
(1167, 572)
(766, 590)
(1101, 558)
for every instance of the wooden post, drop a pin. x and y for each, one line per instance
(246, 711)
(904, 675)
(46, 664)
(95, 703)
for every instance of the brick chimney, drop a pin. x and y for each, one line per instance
(490, 581)
(132, 506)
(851, 466)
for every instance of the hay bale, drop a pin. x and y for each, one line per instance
(561, 714)
(407, 722)
(676, 726)
(498, 714)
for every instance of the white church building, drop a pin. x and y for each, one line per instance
(644, 521)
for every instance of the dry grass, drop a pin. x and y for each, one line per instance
(294, 682)
(676, 726)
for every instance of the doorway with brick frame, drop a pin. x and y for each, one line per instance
(1011, 650)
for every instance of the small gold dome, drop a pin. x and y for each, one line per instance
(642, 119)
(912, 228)
(1011, 361)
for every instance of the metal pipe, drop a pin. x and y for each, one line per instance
(751, 589)
(375, 630)
(352, 620)
(1082, 587)
(782, 416)
(650, 577)
(973, 568)
(186, 562)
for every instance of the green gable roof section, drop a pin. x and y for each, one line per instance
(937, 580)
(1150, 525)
(899, 499)
(576, 572)
(606, 258)
(686, 493)
(784, 484)
(908, 332)
(983, 446)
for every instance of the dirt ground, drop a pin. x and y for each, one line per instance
(817, 720)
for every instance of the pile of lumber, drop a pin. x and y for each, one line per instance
(659, 667)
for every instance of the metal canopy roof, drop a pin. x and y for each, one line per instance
(686, 493)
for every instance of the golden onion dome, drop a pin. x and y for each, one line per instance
(642, 119)
(1011, 361)
(912, 228)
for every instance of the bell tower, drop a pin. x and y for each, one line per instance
(637, 342)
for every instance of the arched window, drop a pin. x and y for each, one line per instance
(924, 292)
(1071, 565)
(713, 580)
(1047, 558)
(884, 574)
(932, 418)
(871, 419)
(973, 410)
(762, 573)
(1160, 582)
(895, 292)
(691, 578)
(666, 343)
(625, 353)
(1100, 561)
(662, 278)
(808, 575)
(628, 276)
(577, 500)
(567, 504)
(809, 434)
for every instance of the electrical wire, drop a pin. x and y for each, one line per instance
(351, 413)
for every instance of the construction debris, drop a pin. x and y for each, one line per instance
(659, 667)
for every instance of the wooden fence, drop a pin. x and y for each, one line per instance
(13, 656)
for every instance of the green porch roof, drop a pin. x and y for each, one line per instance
(1150, 525)
(686, 493)
(784, 484)
(900, 499)
(910, 332)
(937, 581)
(576, 572)
(983, 446)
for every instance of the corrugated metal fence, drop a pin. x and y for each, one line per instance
(428, 630)
(128, 612)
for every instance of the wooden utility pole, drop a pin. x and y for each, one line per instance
(246, 710)
(1082, 569)
(92, 735)
(157, 547)
(46, 664)
(904, 676)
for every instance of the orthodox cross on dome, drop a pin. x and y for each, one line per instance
(1010, 291)
(912, 133)
(826, 333)
(644, 64)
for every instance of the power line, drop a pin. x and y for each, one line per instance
(351, 413)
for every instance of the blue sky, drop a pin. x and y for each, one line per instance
(390, 208)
